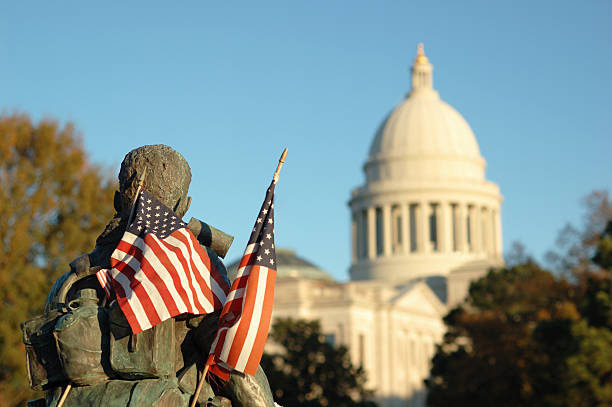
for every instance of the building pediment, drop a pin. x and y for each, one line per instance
(417, 297)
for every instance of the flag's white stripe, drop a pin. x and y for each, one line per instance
(247, 346)
(190, 305)
(249, 249)
(234, 294)
(188, 251)
(152, 291)
(243, 271)
(103, 279)
(130, 238)
(161, 271)
(206, 274)
(231, 331)
(253, 324)
(133, 301)
(214, 344)
(229, 339)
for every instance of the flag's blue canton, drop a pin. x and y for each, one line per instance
(152, 216)
(263, 233)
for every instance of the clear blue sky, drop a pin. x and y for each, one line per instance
(229, 84)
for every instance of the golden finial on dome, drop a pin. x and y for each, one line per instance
(421, 58)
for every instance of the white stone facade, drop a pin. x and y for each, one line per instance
(424, 225)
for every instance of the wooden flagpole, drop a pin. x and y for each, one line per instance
(64, 395)
(281, 160)
(200, 384)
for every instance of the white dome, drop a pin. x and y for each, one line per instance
(426, 207)
(424, 139)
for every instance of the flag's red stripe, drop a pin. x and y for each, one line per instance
(205, 258)
(241, 281)
(205, 285)
(220, 342)
(247, 259)
(125, 307)
(250, 296)
(235, 305)
(152, 275)
(165, 261)
(204, 288)
(264, 325)
(139, 291)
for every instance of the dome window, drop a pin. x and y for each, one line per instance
(380, 232)
(413, 228)
(396, 226)
(433, 227)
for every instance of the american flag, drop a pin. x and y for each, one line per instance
(245, 319)
(159, 270)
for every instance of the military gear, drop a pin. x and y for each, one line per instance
(148, 354)
(42, 361)
(85, 340)
(82, 340)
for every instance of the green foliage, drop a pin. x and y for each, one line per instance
(311, 372)
(527, 337)
(53, 202)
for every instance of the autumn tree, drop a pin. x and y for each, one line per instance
(310, 372)
(54, 202)
(529, 337)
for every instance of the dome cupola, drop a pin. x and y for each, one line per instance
(424, 137)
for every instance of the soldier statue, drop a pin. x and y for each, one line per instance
(83, 343)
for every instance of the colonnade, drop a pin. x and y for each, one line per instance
(425, 227)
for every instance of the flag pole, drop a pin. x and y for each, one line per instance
(64, 395)
(281, 161)
(200, 384)
(140, 185)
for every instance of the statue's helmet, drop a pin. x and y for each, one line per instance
(167, 177)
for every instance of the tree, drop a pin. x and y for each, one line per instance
(311, 372)
(528, 337)
(54, 203)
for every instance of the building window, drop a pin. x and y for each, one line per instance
(413, 228)
(330, 339)
(380, 239)
(433, 226)
(396, 226)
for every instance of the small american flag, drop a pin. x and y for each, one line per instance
(159, 270)
(245, 319)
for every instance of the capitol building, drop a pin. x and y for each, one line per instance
(425, 223)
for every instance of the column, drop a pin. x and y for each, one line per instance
(476, 229)
(445, 230)
(462, 245)
(387, 230)
(484, 230)
(405, 228)
(371, 233)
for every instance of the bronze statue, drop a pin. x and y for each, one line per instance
(83, 340)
